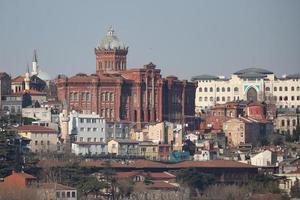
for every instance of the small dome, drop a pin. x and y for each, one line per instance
(111, 41)
(44, 76)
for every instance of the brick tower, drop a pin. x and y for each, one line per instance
(110, 54)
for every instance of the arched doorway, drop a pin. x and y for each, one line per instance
(252, 94)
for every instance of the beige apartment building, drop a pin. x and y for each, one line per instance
(42, 139)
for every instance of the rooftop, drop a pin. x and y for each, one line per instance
(35, 128)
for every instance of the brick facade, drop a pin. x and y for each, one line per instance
(139, 95)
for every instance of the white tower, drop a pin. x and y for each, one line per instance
(35, 66)
(27, 79)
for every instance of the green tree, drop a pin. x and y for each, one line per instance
(90, 185)
(194, 179)
(295, 189)
(10, 155)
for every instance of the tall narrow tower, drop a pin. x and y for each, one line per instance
(110, 54)
(27, 79)
(35, 66)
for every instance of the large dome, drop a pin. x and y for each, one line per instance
(111, 41)
(253, 70)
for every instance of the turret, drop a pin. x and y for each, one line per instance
(27, 79)
(35, 67)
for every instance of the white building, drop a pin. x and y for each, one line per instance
(264, 158)
(248, 84)
(89, 133)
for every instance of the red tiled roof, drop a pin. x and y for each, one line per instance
(23, 174)
(161, 185)
(140, 164)
(55, 186)
(18, 79)
(34, 92)
(35, 128)
(161, 175)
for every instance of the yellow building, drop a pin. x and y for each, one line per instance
(149, 150)
(123, 147)
(42, 139)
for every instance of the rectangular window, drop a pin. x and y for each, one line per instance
(68, 194)
(81, 120)
(63, 194)
(88, 129)
(89, 139)
(88, 120)
(73, 194)
(48, 142)
(93, 121)
(57, 194)
(81, 129)
(81, 139)
(94, 129)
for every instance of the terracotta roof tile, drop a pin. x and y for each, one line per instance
(18, 79)
(35, 128)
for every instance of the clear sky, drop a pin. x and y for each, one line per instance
(183, 38)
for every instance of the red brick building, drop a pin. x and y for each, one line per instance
(138, 95)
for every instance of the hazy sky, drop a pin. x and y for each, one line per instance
(183, 38)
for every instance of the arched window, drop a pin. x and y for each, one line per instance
(286, 98)
(200, 89)
(75, 96)
(88, 96)
(200, 98)
(275, 89)
(280, 98)
(205, 89)
(294, 122)
(282, 122)
(285, 88)
(223, 89)
(223, 98)
(211, 98)
(228, 89)
(236, 89)
(280, 88)
(292, 88)
(298, 88)
(267, 89)
(218, 89)
(218, 98)
(211, 89)
(205, 98)
(228, 98)
(102, 96)
(112, 97)
(106, 96)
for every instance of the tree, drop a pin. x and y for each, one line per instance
(90, 185)
(295, 189)
(195, 180)
(10, 154)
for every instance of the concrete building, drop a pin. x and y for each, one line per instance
(117, 130)
(89, 135)
(57, 191)
(40, 113)
(149, 150)
(264, 158)
(244, 130)
(123, 147)
(286, 122)
(42, 139)
(252, 84)
(166, 133)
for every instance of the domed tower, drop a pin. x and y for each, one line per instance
(110, 54)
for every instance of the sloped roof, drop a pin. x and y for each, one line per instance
(204, 77)
(35, 128)
(55, 186)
